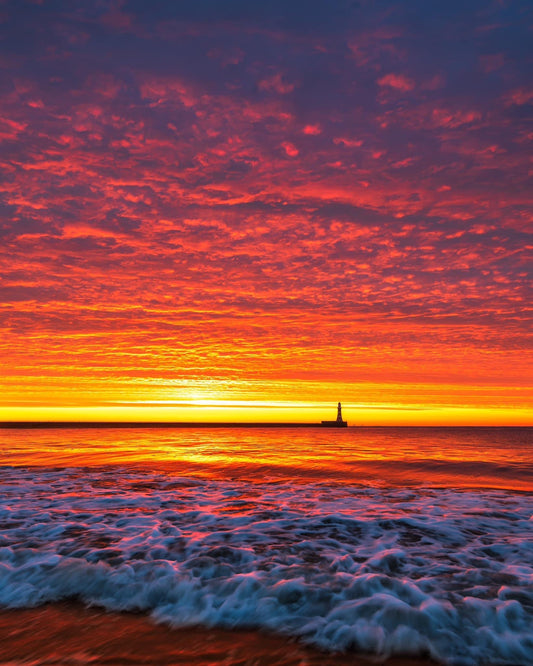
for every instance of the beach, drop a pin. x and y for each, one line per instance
(69, 633)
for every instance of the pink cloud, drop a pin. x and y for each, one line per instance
(368, 48)
(434, 83)
(312, 130)
(397, 81)
(117, 19)
(162, 90)
(446, 118)
(105, 85)
(290, 149)
(519, 97)
(275, 83)
(348, 142)
(11, 129)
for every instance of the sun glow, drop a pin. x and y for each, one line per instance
(252, 400)
(242, 412)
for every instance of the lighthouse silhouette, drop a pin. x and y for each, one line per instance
(338, 423)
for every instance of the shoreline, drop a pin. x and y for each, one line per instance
(68, 632)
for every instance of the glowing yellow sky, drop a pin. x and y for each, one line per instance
(363, 404)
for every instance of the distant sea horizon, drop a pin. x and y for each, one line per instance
(230, 424)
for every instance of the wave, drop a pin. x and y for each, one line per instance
(428, 571)
(509, 475)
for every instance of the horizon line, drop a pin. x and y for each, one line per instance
(220, 424)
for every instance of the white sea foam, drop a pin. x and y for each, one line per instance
(448, 573)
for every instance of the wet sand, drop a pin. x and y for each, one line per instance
(70, 634)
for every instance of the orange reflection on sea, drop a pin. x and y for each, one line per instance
(462, 457)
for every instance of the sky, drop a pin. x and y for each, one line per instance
(251, 210)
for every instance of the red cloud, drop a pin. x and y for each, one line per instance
(312, 130)
(290, 149)
(161, 90)
(349, 143)
(446, 118)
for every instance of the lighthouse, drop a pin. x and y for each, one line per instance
(338, 423)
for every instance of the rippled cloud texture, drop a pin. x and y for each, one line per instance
(238, 194)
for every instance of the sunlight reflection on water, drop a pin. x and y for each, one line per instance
(495, 457)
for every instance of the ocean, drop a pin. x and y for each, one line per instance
(358, 541)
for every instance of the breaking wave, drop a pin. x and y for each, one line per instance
(432, 571)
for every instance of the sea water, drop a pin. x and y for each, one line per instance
(408, 541)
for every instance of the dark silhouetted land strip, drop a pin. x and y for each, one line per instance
(150, 424)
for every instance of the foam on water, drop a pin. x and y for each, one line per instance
(442, 572)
